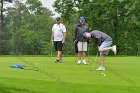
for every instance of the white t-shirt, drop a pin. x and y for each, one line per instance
(58, 30)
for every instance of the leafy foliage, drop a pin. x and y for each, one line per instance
(27, 25)
(118, 18)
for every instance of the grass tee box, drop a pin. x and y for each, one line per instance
(121, 76)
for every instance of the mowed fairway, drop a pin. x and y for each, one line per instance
(122, 76)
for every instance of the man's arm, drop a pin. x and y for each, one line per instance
(75, 39)
(52, 37)
(98, 38)
(87, 30)
(99, 41)
(64, 37)
(75, 35)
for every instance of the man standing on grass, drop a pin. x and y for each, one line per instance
(104, 42)
(58, 38)
(80, 42)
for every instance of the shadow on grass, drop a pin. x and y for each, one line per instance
(10, 89)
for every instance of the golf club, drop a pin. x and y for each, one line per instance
(51, 60)
(76, 51)
(95, 61)
(88, 53)
(31, 66)
(34, 69)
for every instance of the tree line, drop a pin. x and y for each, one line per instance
(27, 25)
(118, 18)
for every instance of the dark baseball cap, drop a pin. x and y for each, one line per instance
(58, 18)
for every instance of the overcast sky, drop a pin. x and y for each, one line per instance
(48, 4)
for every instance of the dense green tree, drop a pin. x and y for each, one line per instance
(27, 25)
(118, 18)
(30, 27)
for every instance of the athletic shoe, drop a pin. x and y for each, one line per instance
(56, 60)
(84, 62)
(114, 49)
(101, 68)
(79, 62)
(59, 61)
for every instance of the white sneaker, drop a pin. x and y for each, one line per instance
(79, 62)
(101, 68)
(114, 49)
(84, 62)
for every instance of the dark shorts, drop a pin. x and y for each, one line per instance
(58, 45)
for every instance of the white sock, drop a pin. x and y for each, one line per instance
(79, 60)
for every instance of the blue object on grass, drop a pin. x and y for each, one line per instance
(17, 66)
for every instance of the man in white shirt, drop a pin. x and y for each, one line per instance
(58, 38)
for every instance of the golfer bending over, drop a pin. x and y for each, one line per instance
(104, 42)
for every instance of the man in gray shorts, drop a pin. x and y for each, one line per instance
(104, 42)
(80, 41)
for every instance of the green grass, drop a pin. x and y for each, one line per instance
(122, 76)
